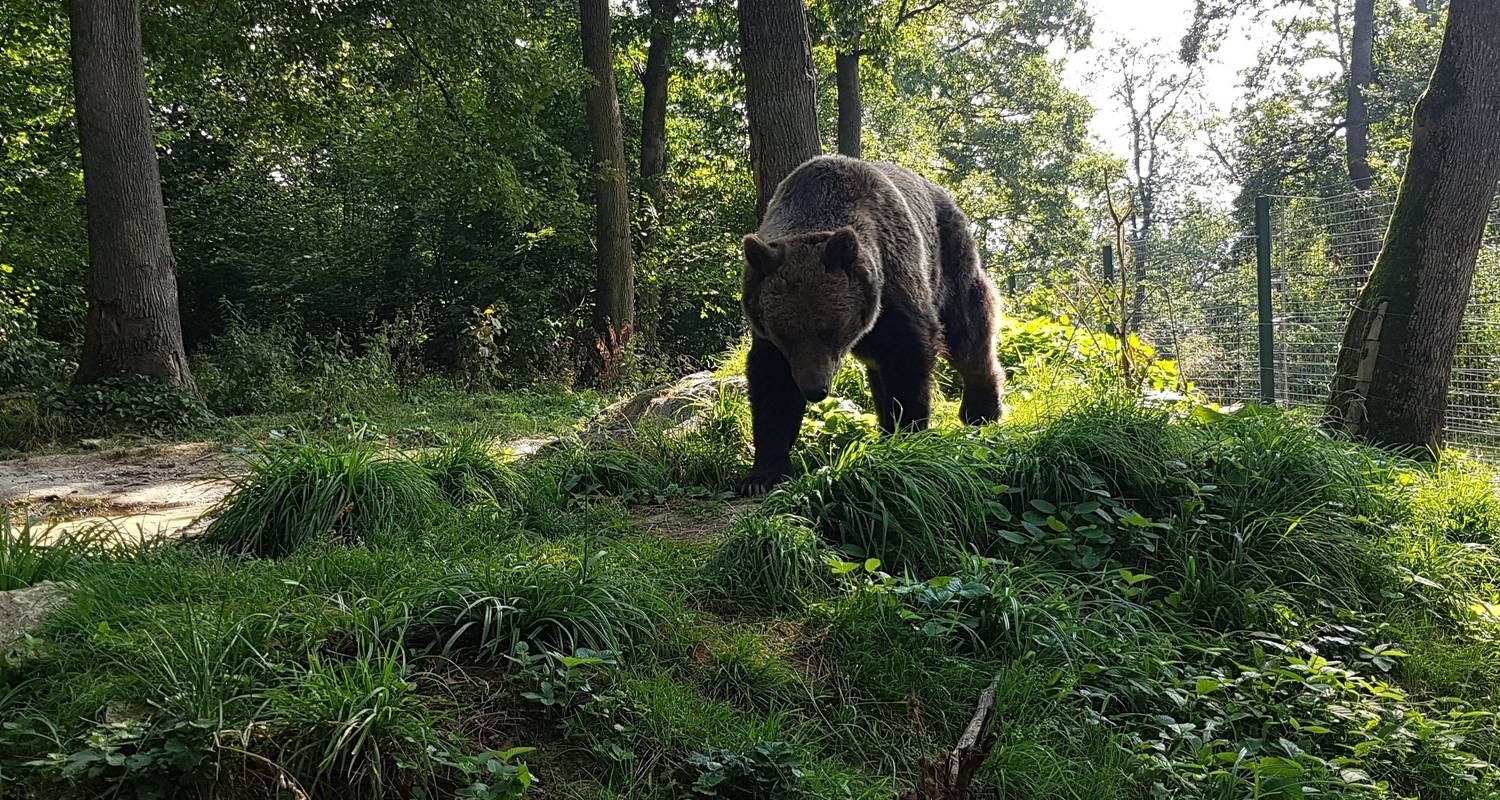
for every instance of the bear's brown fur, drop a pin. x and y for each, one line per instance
(871, 259)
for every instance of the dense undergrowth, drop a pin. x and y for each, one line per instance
(1172, 601)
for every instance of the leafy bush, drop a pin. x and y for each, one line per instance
(769, 769)
(135, 404)
(1038, 346)
(297, 493)
(28, 362)
(827, 431)
(259, 367)
(250, 368)
(768, 563)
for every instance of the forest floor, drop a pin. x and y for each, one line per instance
(154, 487)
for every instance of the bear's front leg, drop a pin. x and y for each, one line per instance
(776, 406)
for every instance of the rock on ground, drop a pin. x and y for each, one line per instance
(24, 611)
(676, 404)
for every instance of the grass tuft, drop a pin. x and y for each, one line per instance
(769, 564)
(319, 490)
(468, 471)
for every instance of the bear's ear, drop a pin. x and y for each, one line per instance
(762, 258)
(841, 251)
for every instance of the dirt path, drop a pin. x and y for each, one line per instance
(150, 491)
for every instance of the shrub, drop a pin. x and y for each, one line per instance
(768, 563)
(28, 362)
(769, 769)
(28, 421)
(142, 405)
(250, 368)
(827, 431)
(310, 490)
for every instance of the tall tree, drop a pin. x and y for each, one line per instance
(1361, 75)
(780, 91)
(614, 282)
(132, 326)
(1391, 384)
(1155, 95)
(851, 106)
(654, 81)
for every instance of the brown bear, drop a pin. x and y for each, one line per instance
(871, 259)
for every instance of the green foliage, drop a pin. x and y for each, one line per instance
(357, 723)
(468, 471)
(28, 421)
(1169, 602)
(28, 362)
(548, 607)
(141, 405)
(305, 491)
(769, 564)
(653, 462)
(917, 500)
(146, 759)
(1458, 501)
(31, 552)
(769, 769)
(1036, 351)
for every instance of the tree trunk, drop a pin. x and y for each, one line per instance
(1361, 74)
(654, 82)
(1391, 385)
(780, 91)
(851, 107)
(614, 282)
(132, 327)
(654, 102)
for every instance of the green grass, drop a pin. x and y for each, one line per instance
(1170, 603)
(31, 553)
(294, 494)
(467, 470)
(768, 564)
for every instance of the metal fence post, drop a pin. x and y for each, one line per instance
(1267, 327)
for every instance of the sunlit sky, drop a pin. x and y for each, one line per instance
(1142, 21)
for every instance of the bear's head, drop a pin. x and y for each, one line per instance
(812, 295)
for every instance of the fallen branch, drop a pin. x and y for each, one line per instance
(950, 777)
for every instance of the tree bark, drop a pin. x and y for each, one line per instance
(1361, 75)
(780, 91)
(851, 106)
(132, 327)
(1391, 384)
(654, 81)
(614, 282)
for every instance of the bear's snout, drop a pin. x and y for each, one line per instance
(815, 394)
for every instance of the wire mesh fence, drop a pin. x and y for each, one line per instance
(1194, 288)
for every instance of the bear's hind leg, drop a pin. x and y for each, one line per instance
(776, 406)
